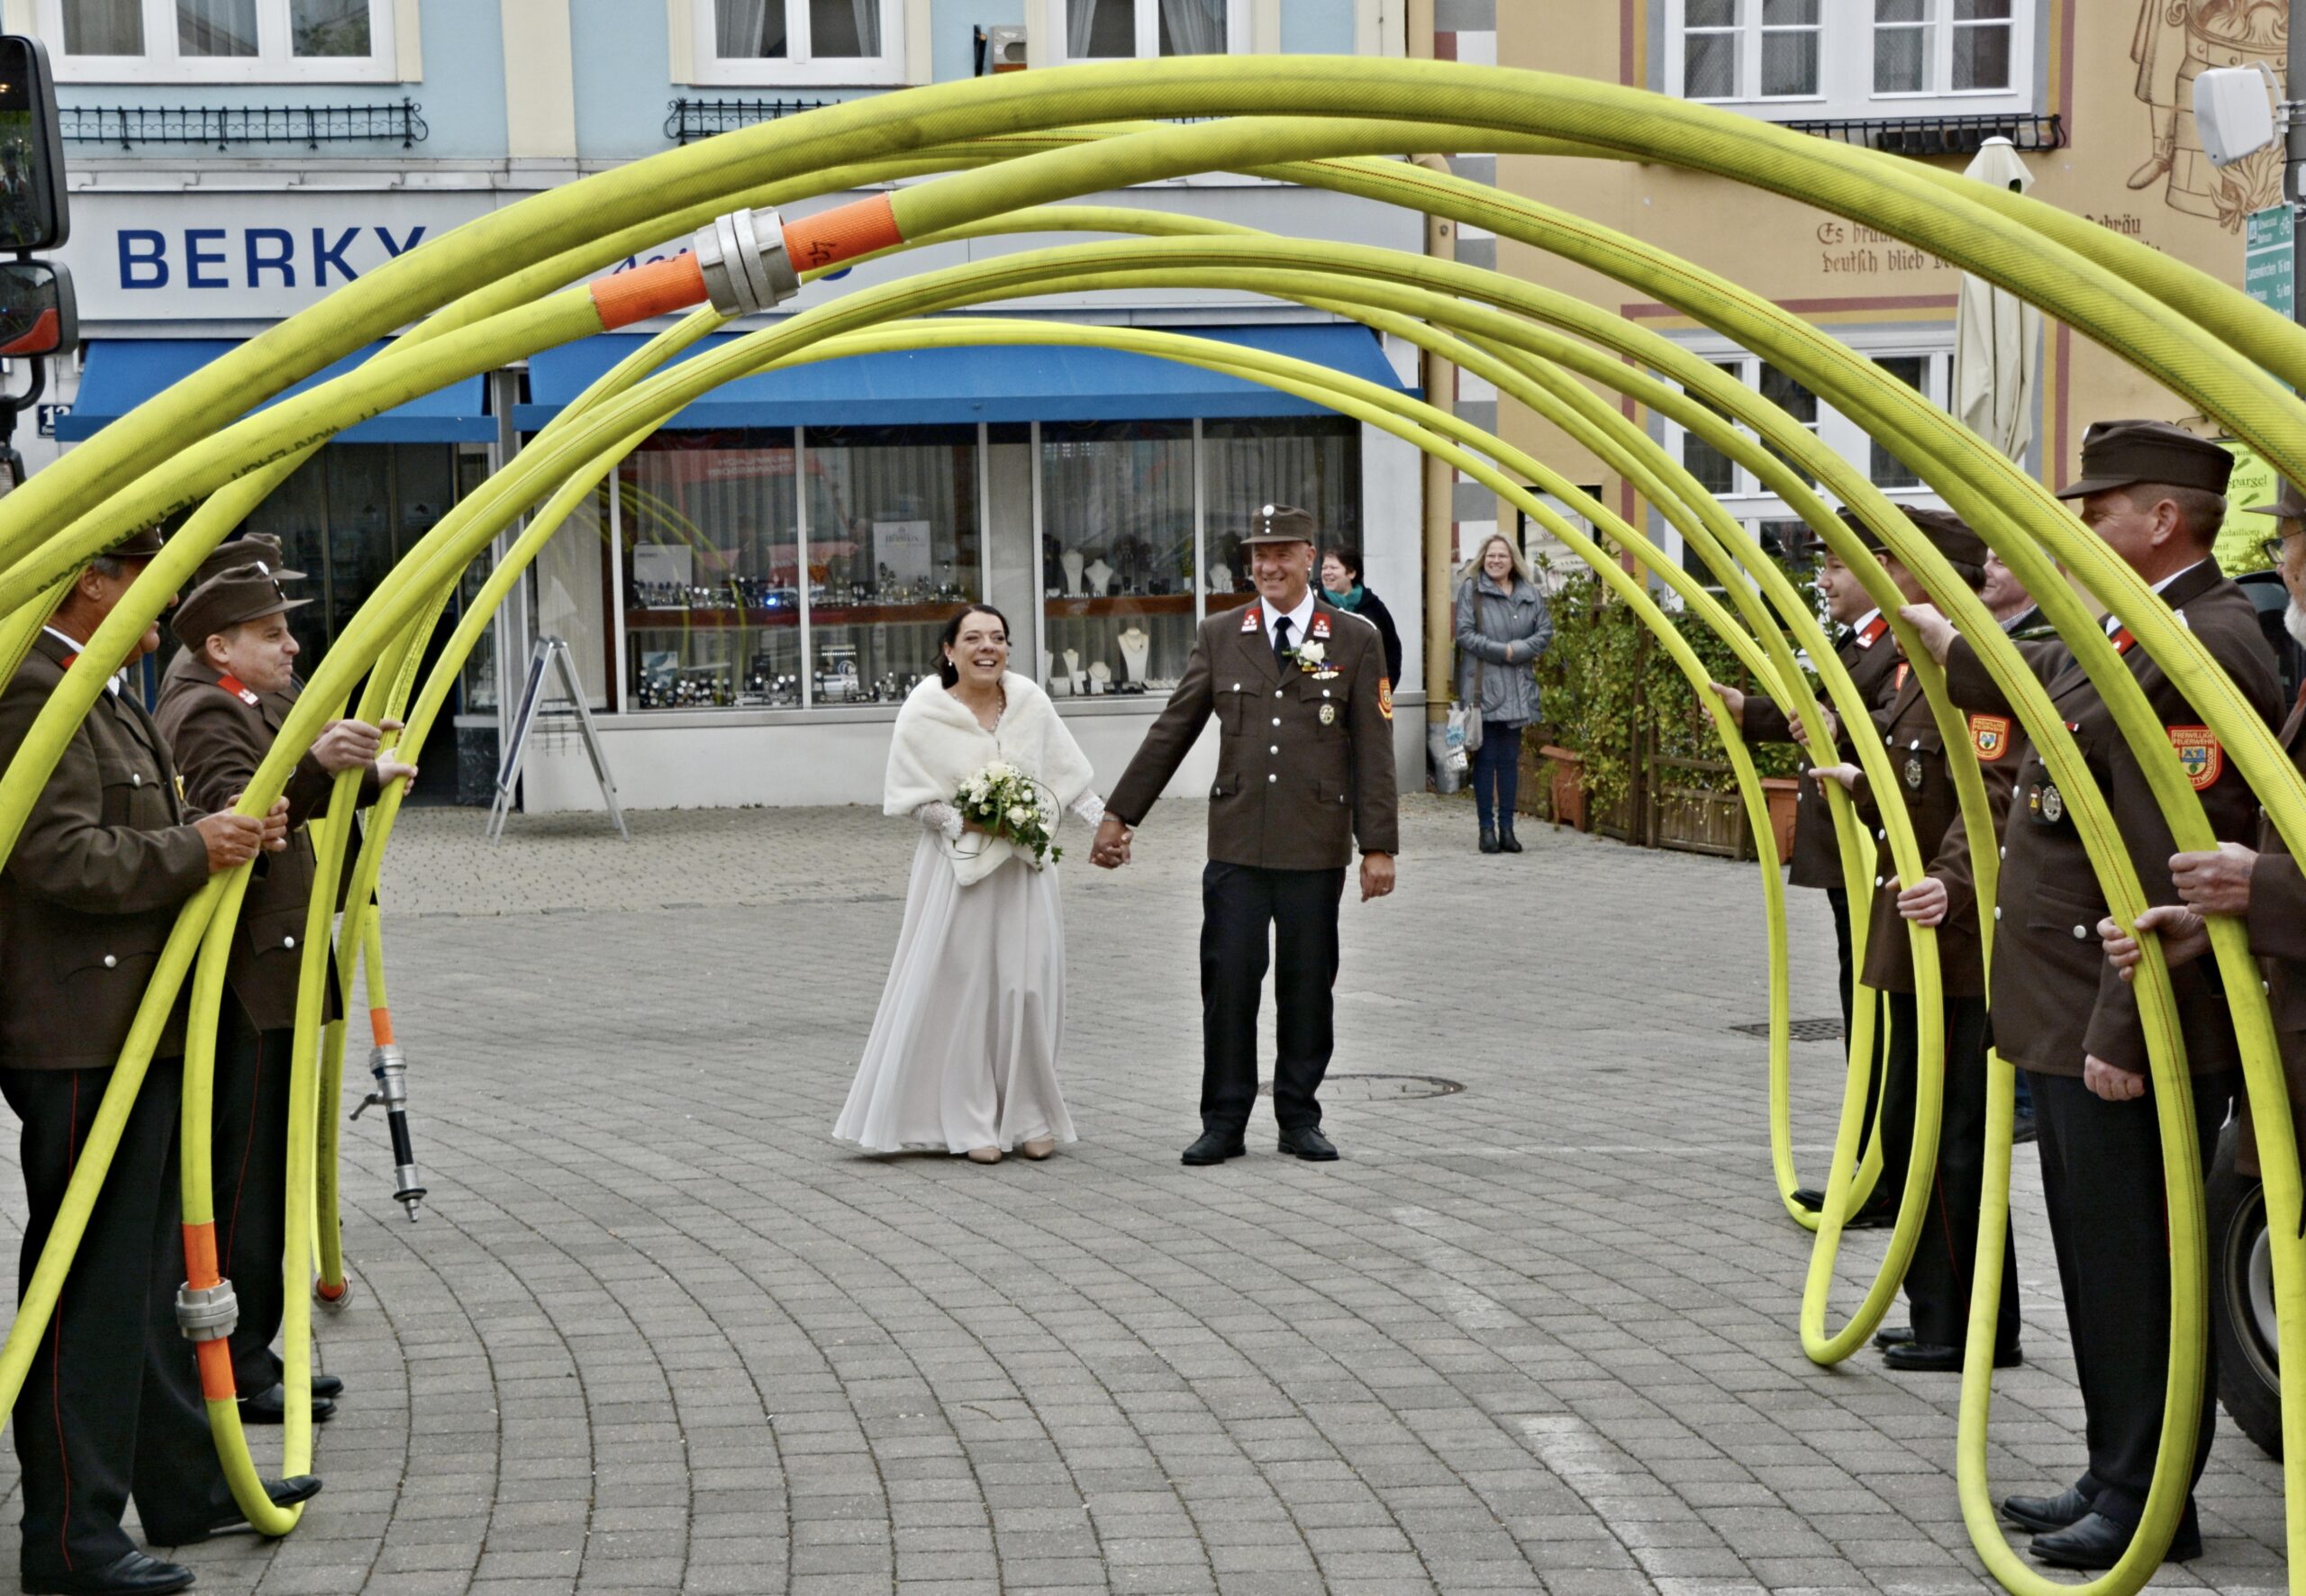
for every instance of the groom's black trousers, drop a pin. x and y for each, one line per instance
(1243, 909)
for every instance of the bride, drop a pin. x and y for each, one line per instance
(962, 1056)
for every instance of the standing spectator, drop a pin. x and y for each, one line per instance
(1502, 626)
(1342, 585)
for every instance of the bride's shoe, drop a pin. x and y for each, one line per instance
(983, 1154)
(1040, 1147)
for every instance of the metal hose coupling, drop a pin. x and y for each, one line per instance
(746, 267)
(208, 1314)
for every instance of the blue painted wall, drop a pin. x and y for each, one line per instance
(623, 78)
(1317, 27)
(462, 96)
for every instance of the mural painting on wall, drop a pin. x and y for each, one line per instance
(2175, 41)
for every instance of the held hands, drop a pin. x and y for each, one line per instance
(347, 745)
(1376, 876)
(2216, 882)
(2185, 936)
(1110, 850)
(1937, 632)
(1848, 776)
(1925, 902)
(2108, 1082)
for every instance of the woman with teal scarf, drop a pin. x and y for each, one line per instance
(1341, 587)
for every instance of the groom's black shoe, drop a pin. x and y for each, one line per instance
(1213, 1149)
(1307, 1142)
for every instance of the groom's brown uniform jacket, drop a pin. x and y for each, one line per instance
(1306, 757)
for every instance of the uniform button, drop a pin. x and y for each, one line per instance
(1997, 912)
(1878, 881)
(2003, 851)
(1880, 835)
(134, 779)
(1276, 748)
(1273, 778)
(1237, 687)
(2082, 933)
(110, 961)
(1276, 693)
(287, 942)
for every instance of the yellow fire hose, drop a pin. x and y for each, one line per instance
(2207, 367)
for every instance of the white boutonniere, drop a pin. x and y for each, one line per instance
(1309, 656)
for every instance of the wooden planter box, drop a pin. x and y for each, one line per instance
(1566, 785)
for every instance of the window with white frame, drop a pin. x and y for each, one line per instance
(1925, 365)
(221, 41)
(1807, 58)
(771, 43)
(1107, 29)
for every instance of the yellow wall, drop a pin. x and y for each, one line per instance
(1835, 275)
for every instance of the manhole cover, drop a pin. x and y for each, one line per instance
(1803, 1031)
(1377, 1088)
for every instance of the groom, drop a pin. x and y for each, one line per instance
(1305, 764)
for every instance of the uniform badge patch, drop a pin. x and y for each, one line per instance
(1990, 736)
(1385, 697)
(231, 685)
(1250, 618)
(1898, 682)
(1319, 627)
(1329, 715)
(2199, 755)
(2053, 802)
(1913, 772)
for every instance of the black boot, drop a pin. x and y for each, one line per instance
(1506, 841)
(1488, 839)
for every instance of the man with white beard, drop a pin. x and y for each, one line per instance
(2262, 888)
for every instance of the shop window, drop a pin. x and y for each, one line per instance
(221, 41)
(769, 43)
(721, 608)
(1107, 29)
(1804, 59)
(1926, 370)
(1117, 556)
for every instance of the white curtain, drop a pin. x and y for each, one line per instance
(103, 27)
(1193, 27)
(1099, 28)
(216, 27)
(867, 17)
(747, 29)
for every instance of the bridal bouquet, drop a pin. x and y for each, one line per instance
(1007, 802)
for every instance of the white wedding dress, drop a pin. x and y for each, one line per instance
(963, 1050)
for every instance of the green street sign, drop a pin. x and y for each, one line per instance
(2267, 253)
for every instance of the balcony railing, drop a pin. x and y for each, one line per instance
(227, 127)
(1938, 135)
(700, 118)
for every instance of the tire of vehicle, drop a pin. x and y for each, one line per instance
(2242, 1288)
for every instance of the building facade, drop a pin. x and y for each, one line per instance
(752, 594)
(2095, 98)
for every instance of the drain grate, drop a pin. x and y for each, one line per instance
(1378, 1088)
(1801, 1031)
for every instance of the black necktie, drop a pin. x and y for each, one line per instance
(1281, 638)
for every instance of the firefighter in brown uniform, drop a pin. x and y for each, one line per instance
(112, 1404)
(1862, 643)
(2155, 495)
(222, 704)
(1937, 1280)
(1304, 767)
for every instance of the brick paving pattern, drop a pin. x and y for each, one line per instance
(657, 1332)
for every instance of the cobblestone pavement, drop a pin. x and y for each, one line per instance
(657, 1332)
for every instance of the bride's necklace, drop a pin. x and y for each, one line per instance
(999, 704)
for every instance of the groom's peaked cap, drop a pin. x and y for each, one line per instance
(1280, 523)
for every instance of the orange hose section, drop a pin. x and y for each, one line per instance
(841, 233)
(216, 1383)
(381, 1025)
(656, 289)
(200, 1256)
(332, 1293)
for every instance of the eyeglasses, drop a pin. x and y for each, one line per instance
(2271, 548)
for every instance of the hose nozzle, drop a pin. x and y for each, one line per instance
(389, 1065)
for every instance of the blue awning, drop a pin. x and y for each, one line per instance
(124, 373)
(997, 382)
